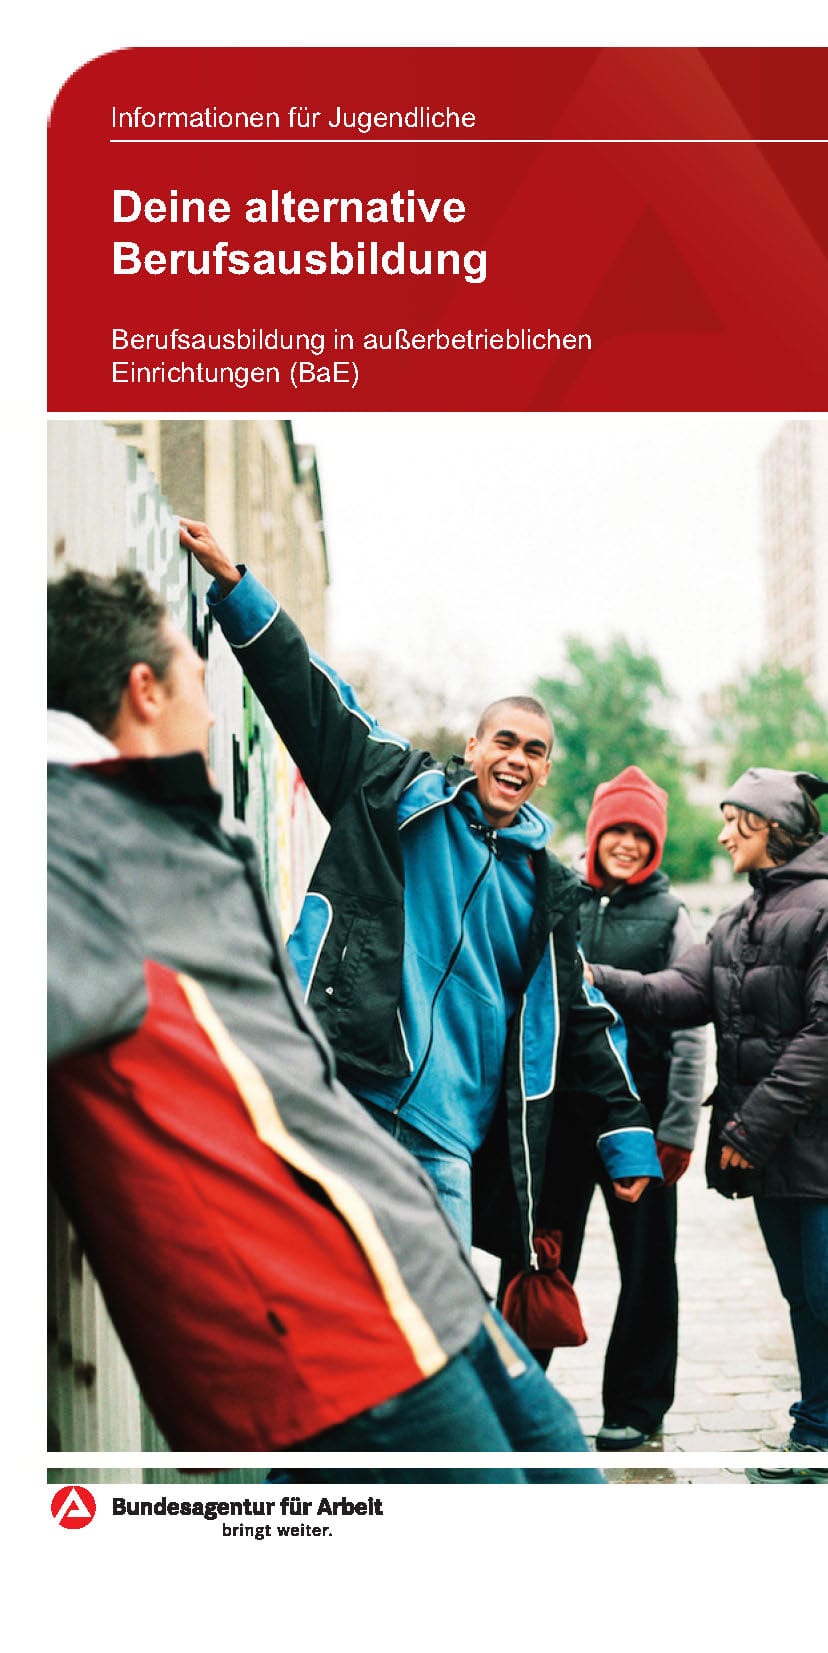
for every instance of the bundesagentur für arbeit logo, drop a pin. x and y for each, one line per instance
(73, 1507)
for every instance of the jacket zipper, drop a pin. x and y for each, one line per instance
(599, 923)
(490, 839)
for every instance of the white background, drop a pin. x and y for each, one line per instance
(469, 546)
(451, 1566)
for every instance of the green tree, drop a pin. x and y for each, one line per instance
(772, 719)
(691, 834)
(609, 709)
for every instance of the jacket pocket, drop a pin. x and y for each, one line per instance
(352, 966)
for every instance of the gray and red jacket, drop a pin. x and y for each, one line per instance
(272, 1262)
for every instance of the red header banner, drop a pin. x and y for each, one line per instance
(246, 231)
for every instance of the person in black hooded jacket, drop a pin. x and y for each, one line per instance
(762, 979)
(629, 916)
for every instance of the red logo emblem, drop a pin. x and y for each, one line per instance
(73, 1507)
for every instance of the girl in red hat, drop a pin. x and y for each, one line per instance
(631, 918)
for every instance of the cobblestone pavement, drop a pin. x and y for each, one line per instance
(736, 1373)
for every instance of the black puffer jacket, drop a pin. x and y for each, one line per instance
(762, 978)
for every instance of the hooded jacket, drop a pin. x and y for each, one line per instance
(272, 1262)
(349, 943)
(641, 925)
(762, 978)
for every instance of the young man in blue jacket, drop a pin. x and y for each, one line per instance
(438, 939)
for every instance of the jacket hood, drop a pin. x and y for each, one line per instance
(530, 830)
(633, 797)
(71, 740)
(811, 863)
(434, 787)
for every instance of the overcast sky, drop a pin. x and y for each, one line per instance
(471, 545)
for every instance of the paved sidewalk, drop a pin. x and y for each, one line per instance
(736, 1373)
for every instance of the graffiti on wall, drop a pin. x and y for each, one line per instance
(106, 510)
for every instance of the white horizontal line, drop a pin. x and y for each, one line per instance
(740, 1458)
(533, 141)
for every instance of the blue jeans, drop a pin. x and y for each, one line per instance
(493, 1397)
(450, 1174)
(796, 1235)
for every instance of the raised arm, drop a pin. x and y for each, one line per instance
(208, 553)
(333, 741)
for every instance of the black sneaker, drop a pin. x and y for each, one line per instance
(791, 1474)
(620, 1437)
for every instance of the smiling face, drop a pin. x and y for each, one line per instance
(622, 851)
(510, 756)
(745, 837)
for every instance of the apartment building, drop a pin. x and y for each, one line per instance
(795, 550)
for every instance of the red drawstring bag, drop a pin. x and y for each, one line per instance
(540, 1303)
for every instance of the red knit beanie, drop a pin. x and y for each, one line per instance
(633, 797)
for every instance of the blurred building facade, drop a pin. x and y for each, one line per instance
(795, 550)
(259, 491)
